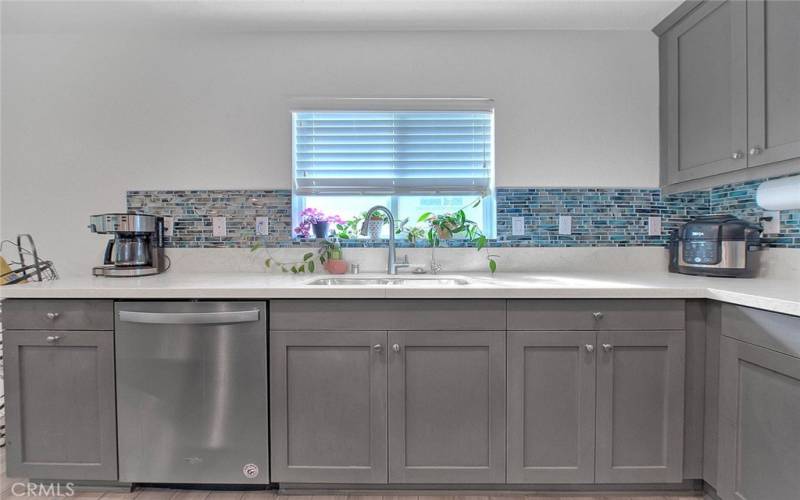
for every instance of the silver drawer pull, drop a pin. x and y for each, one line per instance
(396, 348)
(377, 348)
(205, 318)
(589, 348)
(597, 315)
(52, 315)
(608, 347)
(53, 338)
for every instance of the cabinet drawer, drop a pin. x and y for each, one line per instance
(600, 314)
(392, 314)
(763, 328)
(58, 314)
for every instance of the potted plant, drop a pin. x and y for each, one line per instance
(316, 222)
(330, 255)
(438, 227)
(375, 224)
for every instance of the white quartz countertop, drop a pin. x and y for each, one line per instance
(771, 294)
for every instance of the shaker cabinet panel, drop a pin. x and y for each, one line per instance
(61, 404)
(551, 407)
(447, 407)
(706, 92)
(328, 407)
(759, 423)
(640, 391)
(773, 41)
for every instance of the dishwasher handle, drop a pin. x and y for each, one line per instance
(190, 318)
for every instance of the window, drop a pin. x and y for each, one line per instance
(411, 161)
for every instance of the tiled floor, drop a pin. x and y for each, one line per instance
(6, 492)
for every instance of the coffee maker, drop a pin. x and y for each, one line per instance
(137, 248)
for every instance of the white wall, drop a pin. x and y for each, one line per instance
(86, 118)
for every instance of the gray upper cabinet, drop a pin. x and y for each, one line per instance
(447, 407)
(640, 390)
(773, 60)
(705, 80)
(61, 404)
(759, 423)
(730, 92)
(551, 407)
(328, 407)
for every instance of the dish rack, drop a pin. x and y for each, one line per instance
(18, 270)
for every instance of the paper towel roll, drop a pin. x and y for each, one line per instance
(779, 194)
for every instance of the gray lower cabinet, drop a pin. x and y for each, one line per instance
(759, 423)
(705, 80)
(61, 418)
(328, 406)
(640, 391)
(773, 62)
(447, 399)
(551, 407)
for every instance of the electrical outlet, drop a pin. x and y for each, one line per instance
(772, 226)
(219, 226)
(169, 226)
(564, 224)
(654, 226)
(518, 226)
(262, 226)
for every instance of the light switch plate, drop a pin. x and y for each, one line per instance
(771, 226)
(564, 224)
(262, 226)
(654, 226)
(168, 226)
(517, 226)
(219, 226)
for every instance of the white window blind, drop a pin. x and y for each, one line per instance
(404, 152)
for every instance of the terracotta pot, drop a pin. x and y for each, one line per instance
(336, 266)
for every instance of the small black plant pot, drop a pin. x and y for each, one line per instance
(320, 229)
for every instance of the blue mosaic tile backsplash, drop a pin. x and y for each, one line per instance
(600, 216)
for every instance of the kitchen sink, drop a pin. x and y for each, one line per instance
(404, 281)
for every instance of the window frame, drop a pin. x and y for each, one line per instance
(377, 104)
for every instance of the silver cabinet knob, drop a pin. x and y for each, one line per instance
(597, 315)
(377, 348)
(737, 155)
(608, 347)
(52, 315)
(755, 150)
(396, 348)
(53, 338)
(589, 348)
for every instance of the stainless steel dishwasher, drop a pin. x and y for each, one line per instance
(192, 392)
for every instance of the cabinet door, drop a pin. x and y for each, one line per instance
(61, 414)
(447, 400)
(551, 407)
(759, 423)
(773, 50)
(640, 390)
(706, 81)
(328, 407)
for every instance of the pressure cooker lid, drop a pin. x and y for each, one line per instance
(719, 228)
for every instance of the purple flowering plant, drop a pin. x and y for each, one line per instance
(310, 216)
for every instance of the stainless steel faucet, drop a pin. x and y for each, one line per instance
(392, 264)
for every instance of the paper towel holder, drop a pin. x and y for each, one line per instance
(779, 194)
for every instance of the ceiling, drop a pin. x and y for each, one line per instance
(234, 16)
